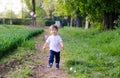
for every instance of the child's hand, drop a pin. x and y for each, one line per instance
(62, 48)
(43, 48)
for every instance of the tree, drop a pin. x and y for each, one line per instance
(29, 4)
(65, 8)
(33, 5)
(104, 11)
(10, 14)
(38, 7)
(48, 6)
(100, 10)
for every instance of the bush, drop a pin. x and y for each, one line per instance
(26, 21)
(117, 22)
(17, 21)
(1, 21)
(49, 21)
(40, 22)
(12, 37)
(97, 25)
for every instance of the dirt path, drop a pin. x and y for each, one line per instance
(41, 70)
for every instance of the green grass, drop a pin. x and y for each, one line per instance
(22, 73)
(11, 36)
(22, 54)
(21, 58)
(13, 27)
(94, 54)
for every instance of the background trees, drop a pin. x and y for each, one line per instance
(105, 12)
(99, 13)
(36, 7)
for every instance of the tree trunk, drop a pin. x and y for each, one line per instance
(105, 21)
(33, 4)
(71, 22)
(111, 20)
(86, 23)
(108, 20)
(78, 22)
(68, 20)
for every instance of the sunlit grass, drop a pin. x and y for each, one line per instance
(94, 54)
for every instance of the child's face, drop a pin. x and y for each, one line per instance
(53, 31)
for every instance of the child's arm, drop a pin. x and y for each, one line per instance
(62, 45)
(44, 46)
(46, 43)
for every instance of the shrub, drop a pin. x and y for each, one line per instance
(117, 23)
(10, 38)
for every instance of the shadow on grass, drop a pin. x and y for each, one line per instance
(71, 63)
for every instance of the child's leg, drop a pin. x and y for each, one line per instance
(51, 58)
(57, 59)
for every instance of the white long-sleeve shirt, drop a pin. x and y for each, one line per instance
(54, 42)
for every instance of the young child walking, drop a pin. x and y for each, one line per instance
(55, 43)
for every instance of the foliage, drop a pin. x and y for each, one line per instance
(49, 22)
(92, 8)
(10, 14)
(96, 10)
(117, 22)
(23, 21)
(48, 6)
(29, 4)
(94, 54)
(18, 21)
(97, 25)
(39, 11)
(63, 8)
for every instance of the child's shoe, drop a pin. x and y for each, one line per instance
(57, 66)
(50, 65)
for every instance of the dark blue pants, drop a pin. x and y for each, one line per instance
(52, 55)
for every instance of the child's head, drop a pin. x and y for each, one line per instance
(53, 29)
